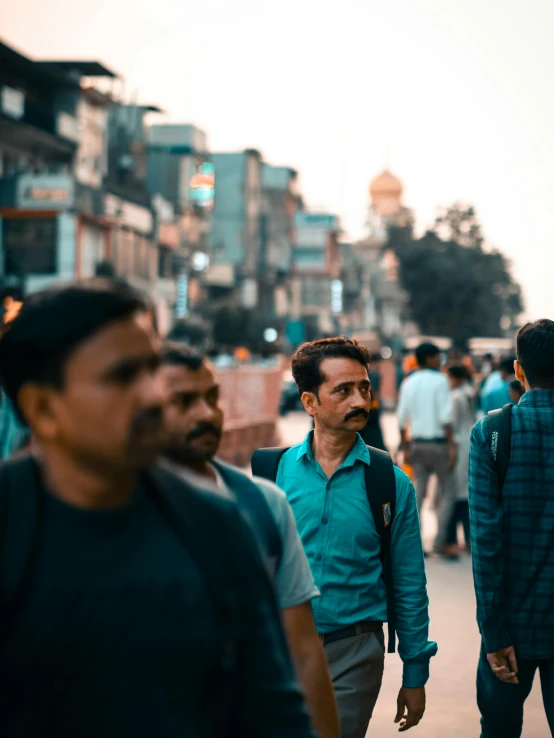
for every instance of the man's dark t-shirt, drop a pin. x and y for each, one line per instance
(117, 636)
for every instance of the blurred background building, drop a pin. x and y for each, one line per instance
(89, 179)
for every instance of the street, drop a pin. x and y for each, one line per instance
(451, 703)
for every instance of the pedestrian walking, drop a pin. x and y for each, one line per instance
(117, 616)
(194, 426)
(357, 518)
(463, 420)
(517, 390)
(500, 395)
(425, 417)
(511, 498)
(372, 433)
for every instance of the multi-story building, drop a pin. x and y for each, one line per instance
(73, 180)
(52, 163)
(316, 269)
(384, 301)
(179, 170)
(281, 202)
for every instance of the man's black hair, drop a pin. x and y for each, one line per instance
(53, 323)
(459, 371)
(307, 361)
(507, 365)
(179, 354)
(535, 353)
(426, 351)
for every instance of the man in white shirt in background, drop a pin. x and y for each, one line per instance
(425, 419)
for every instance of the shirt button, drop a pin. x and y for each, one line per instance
(319, 557)
(324, 521)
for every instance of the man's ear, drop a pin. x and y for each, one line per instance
(309, 400)
(36, 404)
(520, 374)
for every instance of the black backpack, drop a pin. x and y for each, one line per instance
(185, 510)
(380, 484)
(500, 441)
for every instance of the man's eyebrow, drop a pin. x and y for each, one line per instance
(133, 363)
(345, 385)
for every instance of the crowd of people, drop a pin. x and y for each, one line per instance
(441, 398)
(149, 589)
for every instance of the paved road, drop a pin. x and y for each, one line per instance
(451, 691)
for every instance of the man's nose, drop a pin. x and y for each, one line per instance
(360, 399)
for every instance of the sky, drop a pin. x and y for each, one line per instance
(456, 97)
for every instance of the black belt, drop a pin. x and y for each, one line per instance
(430, 440)
(368, 626)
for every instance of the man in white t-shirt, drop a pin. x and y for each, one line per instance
(425, 419)
(194, 423)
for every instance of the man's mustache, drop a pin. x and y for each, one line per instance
(355, 413)
(202, 429)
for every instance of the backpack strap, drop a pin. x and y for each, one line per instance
(500, 441)
(380, 485)
(21, 504)
(265, 462)
(251, 499)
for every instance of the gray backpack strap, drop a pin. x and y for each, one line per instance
(500, 441)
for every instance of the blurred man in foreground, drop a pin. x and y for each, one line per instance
(194, 425)
(118, 619)
(511, 499)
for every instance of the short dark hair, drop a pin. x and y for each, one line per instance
(179, 354)
(507, 365)
(426, 351)
(307, 361)
(535, 353)
(53, 323)
(459, 371)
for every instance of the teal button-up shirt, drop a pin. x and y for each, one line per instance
(342, 545)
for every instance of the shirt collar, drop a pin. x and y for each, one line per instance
(538, 397)
(359, 452)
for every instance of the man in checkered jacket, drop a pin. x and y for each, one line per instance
(512, 535)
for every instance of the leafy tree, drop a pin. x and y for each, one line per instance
(459, 223)
(456, 288)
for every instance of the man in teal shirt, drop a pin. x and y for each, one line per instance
(324, 480)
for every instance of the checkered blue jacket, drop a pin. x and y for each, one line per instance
(512, 532)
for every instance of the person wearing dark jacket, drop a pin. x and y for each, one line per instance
(136, 605)
(512, 538)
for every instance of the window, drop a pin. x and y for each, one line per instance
(315, 292)
(30, 246)
(309, 258)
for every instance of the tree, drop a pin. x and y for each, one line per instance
(459, 223)
(456, 289)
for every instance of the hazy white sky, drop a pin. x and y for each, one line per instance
(459, 93)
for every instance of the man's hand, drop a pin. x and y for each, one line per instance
(411, 707)
(504, 665)
(452, 456)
